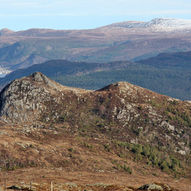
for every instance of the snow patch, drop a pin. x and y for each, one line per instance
(158, 24)
(4, 71)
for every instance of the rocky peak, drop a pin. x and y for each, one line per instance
(41, 79)
(130, 92)
(24, 99)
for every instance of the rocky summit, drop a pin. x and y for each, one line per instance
(49, 130)
(24, 99)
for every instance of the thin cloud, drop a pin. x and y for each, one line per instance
(169, 12)
(85, 13)
(40, 15)
(75, 14)
(158, 12)
(20, 4)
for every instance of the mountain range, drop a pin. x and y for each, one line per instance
(72, 120)
(59, 133)
(167, 73)
(117, 42)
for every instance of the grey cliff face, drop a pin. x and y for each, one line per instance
(23, 99)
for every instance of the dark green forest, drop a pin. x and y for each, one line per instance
(171, 82)
(168, 74)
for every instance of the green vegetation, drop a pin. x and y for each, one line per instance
(107, 147)
(122, 167)
(151, 155)
(172, 80)
(174, 112)
(87, 145)
(71, 150)
(127, 169)
(155, 157)
(154, 79)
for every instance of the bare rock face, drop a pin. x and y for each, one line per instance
(41, 78)
(23, 99)
(28, 98)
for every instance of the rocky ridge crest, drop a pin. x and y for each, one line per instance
(23, 100)
(140, 115)
(119, 128)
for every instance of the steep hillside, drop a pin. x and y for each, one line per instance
(121, 131)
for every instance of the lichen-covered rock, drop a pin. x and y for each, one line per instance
(23, 99)
(151, 187)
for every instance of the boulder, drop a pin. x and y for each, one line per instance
(153, 187)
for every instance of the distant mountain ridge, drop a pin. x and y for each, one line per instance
(179, 59)
(167, 73)
(116, 42)
(61, 68)
(158, 24)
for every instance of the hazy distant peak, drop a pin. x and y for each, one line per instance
(169, 24)
(157, 24)
(5, 31)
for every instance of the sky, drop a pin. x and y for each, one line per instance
(85, 14)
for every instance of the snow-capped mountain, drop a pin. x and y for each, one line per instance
(158, 24)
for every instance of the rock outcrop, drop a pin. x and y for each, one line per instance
(150, 187)
(140, 115)
(23, 99)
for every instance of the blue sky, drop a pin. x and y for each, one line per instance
(83, 14)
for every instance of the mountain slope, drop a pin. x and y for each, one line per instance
(120, 129)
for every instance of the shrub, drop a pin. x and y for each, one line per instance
(127, 169)
(107, 147)
(137, 149)
(164, 166)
